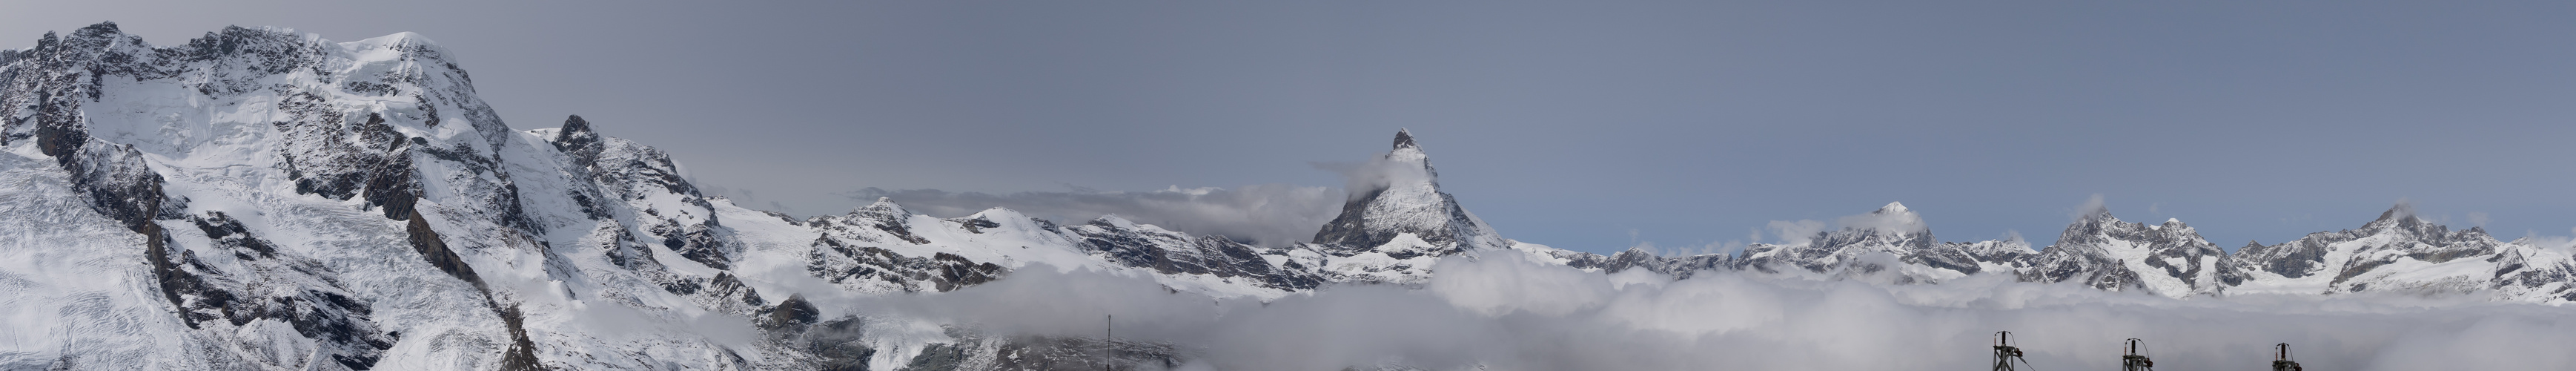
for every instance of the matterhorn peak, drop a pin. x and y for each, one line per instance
(1892, 208)
(1400, 194)
(1407, 156)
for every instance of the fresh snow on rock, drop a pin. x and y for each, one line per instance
(267, 199)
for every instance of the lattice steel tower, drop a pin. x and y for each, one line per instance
(2281, 359)
(2005, 353)
(2133, 361)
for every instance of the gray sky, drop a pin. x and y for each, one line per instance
(1565, 123)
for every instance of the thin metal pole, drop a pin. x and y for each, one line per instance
(1109, 323)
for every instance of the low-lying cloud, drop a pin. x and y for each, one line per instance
(1267, 214)
(1502, 312)
(1363, 177)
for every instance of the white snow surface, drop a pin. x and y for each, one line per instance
(613, 261)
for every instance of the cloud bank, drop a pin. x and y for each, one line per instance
(1502, 312)
(1267, 214)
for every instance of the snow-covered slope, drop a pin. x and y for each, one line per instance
(266, 199)
(274, 200)
(1891, 242)
(2403, 252)
(2169, 259)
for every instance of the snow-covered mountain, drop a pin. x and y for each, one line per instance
(1892, 239)
(2169, 259)
(2403, 252)
(266, 199)
(1406, 202)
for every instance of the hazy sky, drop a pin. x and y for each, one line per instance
(1584, 125)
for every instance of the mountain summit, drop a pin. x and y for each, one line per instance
(1397, 200)
(269, 200)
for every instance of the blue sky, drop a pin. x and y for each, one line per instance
(1584, 125)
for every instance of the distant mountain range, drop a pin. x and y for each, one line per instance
(266, 199)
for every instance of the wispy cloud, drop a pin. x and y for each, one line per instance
(2091, 206)
(1795, 232)
(1361, 177)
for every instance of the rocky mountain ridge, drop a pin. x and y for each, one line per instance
(266, 199)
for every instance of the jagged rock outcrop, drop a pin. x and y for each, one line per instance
(2397, 251)
(1127, 243)
(645, 181)
(142, 131)
(1682, 267)
(2169, 259)
(266, 199)
(1891, 241)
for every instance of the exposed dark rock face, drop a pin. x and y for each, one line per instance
(207, 294)
(434, 250)
(978, 224)
(230, 234)
(834, 345)
(119, 184)
(957, 272)
(838, 262)
(577, 140)
(728, 287)
(522, 354)
(1129, 244)
(698, 244)
(793, 314)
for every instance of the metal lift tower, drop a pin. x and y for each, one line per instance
(2281, 359)
(2005, 353)
(2134, 361)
